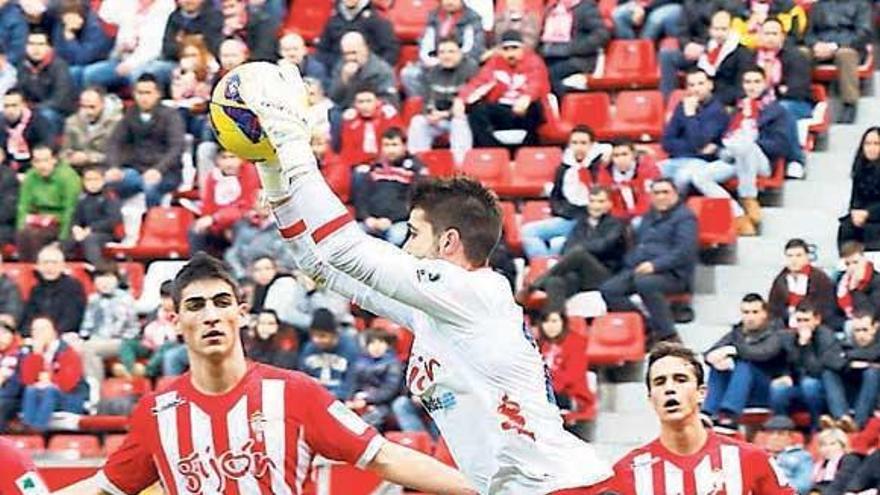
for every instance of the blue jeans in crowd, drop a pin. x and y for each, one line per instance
(807, 391)
(660, 22)
(852, 387)
(175, 361)
(39, 403)
(797, 109)
(731, 391)
(682, 171)
(545, 237)
(132, 183)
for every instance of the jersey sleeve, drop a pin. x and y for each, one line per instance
(19, 475)
(623, 480)
(131, 469)
(430, 285)
(769, 478)
(333, 430)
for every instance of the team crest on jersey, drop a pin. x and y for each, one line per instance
(31, 484)
(258, 425)
(513, 418)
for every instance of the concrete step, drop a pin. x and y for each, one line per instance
(611, 452)
(700, 336)
(806, 223)
(767, 252)
(638, 427)
(628, 397)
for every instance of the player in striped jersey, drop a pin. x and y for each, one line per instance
(18, 475)
(235, 427)
(689, 458)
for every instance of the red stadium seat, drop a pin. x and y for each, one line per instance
(124, 387)
(32, 444)
(409, 18)
(511, 226)
(403, 336)
(639, 115)
(308, 18)
(112, 443)
(533, 171)
(652, 151)
(536, 210)
(629, 64)
(578, 325)
(827, 72)
(416, 440)
(412, 106)
(103, 423)
(338, 177)
(672, 102)
(442, 454)
(820, 121)
(616, 338)
(537, 266)
(22, 274)
(714, 220)
(440, 162)
(83, 274)
(491, 166)
(606, 7)
(75, 446)
(592, 109)
(163, 235)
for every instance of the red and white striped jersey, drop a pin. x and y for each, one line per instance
(724, 466)
(258, 438)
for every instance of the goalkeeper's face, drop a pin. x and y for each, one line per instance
(421, 240)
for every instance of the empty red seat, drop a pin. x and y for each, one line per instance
(22, 274)
(440, 162)
(536, 210)
(628, 64)
(511, 226)
(308, 18)
(491, 166)
(412, 106)
(409, 18)
(112, 443)
(639, 116)
(338, 177)
(821, 118)
(163, 235)
(124, 387)
(592, 109)
(533, 171)
(714, 220)
(75, 446)
(616, 338)
(32, 444)
(416, 440)
(672, 102)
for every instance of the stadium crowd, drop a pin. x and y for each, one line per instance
(105, 121)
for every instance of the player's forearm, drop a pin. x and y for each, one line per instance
(415, 470)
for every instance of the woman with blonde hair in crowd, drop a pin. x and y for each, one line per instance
(835, 463)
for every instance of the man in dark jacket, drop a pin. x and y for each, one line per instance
(191, 17)
(45, 80)
(867, 476)
(839, 31)
(381, 199)
(13, 30)
(56, 295)
(440, 85)
(592, 253)
(692, 137)
(8, 200)
(452, 19)
(359, 16)
(255, 28)
(754, 140)
(144, 150)
(801, 281)
(10, 297)
(570, 194)
(662, 261)
(79, 38)
(21, 130)
(852, 377)
(789, 74)
(97, 215)
(378, 375)
(859, 284)
(580, 52)
(357, 68)
(720, 55)
(744, 362)
(808, 350)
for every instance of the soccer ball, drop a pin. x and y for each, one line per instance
(237, 128)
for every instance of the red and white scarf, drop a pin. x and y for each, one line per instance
(447, 22)
(559, 21)
(798, 284)
(716, 52)
(747, 127)
(857, 282)
(825, 471)
(16, 145)
(770, 61)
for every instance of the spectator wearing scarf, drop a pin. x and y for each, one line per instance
(629, 177)
(800, 281)
(859, 285)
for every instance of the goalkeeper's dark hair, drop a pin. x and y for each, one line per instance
(200, 267)
(463, 204)
(671, 349)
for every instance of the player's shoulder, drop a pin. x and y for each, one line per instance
(745, 448)
(293, 381)
(643, 454)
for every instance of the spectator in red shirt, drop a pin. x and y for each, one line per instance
(230, 192)
(506, 93)
(629, 177)
(52, 375)
(564, 353)
(363, 125)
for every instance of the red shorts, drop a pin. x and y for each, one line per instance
(606, 486)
